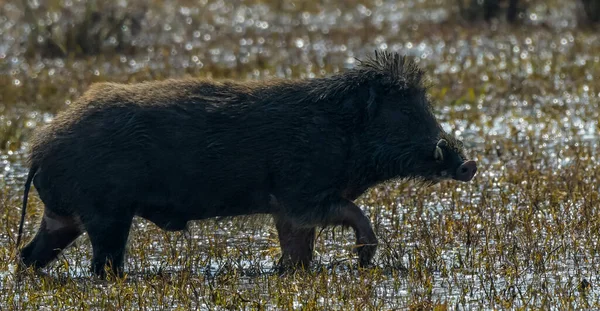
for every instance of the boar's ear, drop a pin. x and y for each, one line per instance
(363, 103)
(372, 102)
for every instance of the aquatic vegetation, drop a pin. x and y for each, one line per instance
(523, 98)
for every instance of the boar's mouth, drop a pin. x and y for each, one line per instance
(450, 157)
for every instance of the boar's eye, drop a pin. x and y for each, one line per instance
(439, 152)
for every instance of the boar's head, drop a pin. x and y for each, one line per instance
(400, 136)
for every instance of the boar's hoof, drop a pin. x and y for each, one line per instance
(366, 248)
(286, 265)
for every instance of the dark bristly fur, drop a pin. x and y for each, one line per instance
(181, 150)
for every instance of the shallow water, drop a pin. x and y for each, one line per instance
(524, 99)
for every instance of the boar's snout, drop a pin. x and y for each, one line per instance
(466, 171)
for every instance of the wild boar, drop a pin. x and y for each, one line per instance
(179, 150)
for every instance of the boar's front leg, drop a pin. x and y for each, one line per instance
(297, 244)
(299, 228)
(349, 215)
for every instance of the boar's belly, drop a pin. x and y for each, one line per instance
(170, 221)
(174, 216)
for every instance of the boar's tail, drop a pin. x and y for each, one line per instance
(30, 176)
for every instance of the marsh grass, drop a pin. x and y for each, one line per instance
(524, 99)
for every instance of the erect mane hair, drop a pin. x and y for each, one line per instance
(385, 70)
(393, 69)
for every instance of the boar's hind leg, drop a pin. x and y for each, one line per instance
(297, 244)
(108, 235)
(54, 235)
